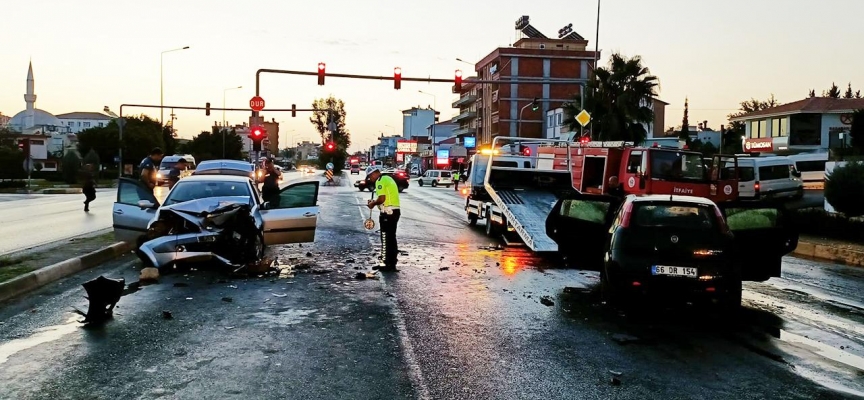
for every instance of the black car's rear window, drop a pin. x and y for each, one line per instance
(673, 215)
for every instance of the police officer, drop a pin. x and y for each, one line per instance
(148, 167)
(388, 201)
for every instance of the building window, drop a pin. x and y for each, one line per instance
(779, 127)
(71, 123)
(79, 124)
(101, 124)
(763, 128)
(805, 130)
(560, 119)
(86, 124)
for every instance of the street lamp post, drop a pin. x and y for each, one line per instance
(161, 86)
(224, 122)
(434, 99)
(519, 125)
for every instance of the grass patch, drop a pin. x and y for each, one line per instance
(11, 267)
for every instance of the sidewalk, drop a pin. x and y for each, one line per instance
(830, 250)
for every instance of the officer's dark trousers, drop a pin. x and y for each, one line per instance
(389, 248)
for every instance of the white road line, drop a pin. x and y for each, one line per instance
(414, 371)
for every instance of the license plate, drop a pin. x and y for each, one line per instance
(674, 271)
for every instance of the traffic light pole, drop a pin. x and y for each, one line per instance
(562, 81)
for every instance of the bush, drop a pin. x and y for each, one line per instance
(51, 176)
(818, 222)
(844, 189)
(71, 165)
(12, 184)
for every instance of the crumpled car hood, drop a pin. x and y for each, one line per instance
(208, 205)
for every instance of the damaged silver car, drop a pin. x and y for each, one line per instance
(213, 218)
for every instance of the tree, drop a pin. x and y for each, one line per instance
(208, 146)
(685, 123)
(833, 91)
(322, 121)
(812, 93)
(844, 189)
(71, 164)
(140, 135)
(848, 94)
(857, 94)
(619, 98)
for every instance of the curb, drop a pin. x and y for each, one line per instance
(43, 276)
(831, 253)
(62, 191)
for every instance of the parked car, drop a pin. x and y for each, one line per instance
(226, 167)
(400, 177)
(672, 247)
(436, 177)
(213, 217)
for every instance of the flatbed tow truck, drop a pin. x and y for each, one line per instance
(515, 184)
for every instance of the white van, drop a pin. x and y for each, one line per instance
(436, 177)
(812, 168)
(168, 162)
(768, 178)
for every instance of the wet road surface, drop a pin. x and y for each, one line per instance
(459, 321)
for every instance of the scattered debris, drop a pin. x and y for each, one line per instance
(322, 271)
(350, 261)
(302, 266)
(267, 299)
(279, 295)
(232, 286)
(167, 314)
(181, 284)
(458, 263)
(615, 381)
(222, 281)
(131, 288)
(188, 298)
(227, 299)
(360, 276)
(616, 373)
(228, 328)
(388, 294)
(547, 301)
(623, 338)
(103, 294)
(308, 254)
(443, 268)
(149, 275)
(574, 290)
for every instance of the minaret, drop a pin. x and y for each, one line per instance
(30, 98)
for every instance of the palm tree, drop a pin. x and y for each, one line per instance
(619, 98)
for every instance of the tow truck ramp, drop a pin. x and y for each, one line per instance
(526, 211)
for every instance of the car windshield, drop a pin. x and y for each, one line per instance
(674, 215)
(167, 164)
(193, 190)
(677, 165)
(445, 174)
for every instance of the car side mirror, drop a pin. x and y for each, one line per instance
(146, 204)
(796, 174)
(265, 205)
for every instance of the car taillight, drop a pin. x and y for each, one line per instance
(756, 186)
(628, 211)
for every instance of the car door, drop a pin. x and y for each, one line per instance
(762, 236)
(130, 219)
(292, 216)
(579, 223)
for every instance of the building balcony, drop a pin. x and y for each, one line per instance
(465, 115)
(464, 131)
(494, 96)
(464, 100)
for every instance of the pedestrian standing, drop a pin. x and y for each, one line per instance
(149, 166)
(387, 201)
(456, 176)
(88, 186)
(270, 187)
(176, 171)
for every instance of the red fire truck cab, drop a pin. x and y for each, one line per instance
(641, 170)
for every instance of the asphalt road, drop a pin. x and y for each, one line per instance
(463, 319)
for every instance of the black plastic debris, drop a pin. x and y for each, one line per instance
(103, 294)
(615, 381)
(322, 271)
(181, 284)
(308, 254)
(623, 338)
(443, 268)
(360, 276)
(547, 301)
(167, 314)
(227, 299)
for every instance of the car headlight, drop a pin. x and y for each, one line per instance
(158, 175)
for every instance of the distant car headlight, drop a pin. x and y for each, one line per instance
(158, 175)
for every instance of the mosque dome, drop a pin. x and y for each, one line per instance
(41, 118)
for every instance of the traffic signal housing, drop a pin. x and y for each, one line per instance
(293, 110)
(24, 146)
(257, 134)
(207, 109)
(321, 72)
(330, 146)
(397, 78)
(457, 82)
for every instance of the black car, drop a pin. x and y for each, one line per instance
(672, 246)
(400, 177)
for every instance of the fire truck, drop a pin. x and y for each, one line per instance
(643, 170)
(515, 184)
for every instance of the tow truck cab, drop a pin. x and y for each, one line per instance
(653, 170)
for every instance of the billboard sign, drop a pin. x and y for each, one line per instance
(470, 142)
(406, 146)
(442, 157)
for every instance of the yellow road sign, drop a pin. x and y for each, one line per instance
(583, 118)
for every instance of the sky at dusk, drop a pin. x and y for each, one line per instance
(89, 54)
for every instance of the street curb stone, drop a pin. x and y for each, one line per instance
(830, 253)
(43, 276)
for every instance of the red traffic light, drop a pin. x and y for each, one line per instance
(457, 82)
(397, 78)
(321, 68)
(584, 139)
(330, 146)
(256, 133)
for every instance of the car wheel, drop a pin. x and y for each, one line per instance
(731, 301)
(472, 219)
(256, 246)
(401, 189)
(420, 182)
(434, 183)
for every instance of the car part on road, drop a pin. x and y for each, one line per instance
(103, 294)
